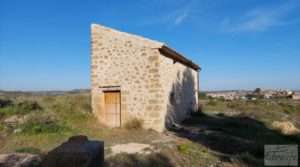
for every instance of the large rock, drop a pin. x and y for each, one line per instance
(77, 152)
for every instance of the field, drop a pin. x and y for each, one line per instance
(223, 133)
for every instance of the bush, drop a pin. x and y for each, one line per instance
(184, 148)
(287, 108)
(212, 103)
(237, 104)
(21, 108)
(29, 106)
(202, 95)
(134, 123)
(1, 126)
(251, 96)
(31, 150)
(5, 102)
(10, 110)
(42, 123)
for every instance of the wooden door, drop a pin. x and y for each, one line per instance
(112, 109)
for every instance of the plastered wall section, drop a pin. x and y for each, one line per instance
(133, 65)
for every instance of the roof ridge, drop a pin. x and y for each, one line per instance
(138, 37)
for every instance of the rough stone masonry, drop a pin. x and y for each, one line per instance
(155, 83)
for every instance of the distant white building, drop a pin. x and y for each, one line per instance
(296, 96)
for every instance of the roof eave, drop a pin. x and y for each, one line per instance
(178, 57)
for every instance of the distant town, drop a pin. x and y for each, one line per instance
(254, 94)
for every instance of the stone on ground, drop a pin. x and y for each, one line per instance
(130, 148)
(78, 151)
(19, 160)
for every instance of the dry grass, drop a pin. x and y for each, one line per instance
(134, 123)
(65, 115)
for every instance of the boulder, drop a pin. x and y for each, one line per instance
(78, 151)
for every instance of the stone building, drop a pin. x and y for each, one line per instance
(135, 77)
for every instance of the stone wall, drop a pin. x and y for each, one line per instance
(145, 78)
(131, 62)
(180, 83)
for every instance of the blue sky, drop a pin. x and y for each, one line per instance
(45, 44)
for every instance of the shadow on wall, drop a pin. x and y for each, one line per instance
(182, 100)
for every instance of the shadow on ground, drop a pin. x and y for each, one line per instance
(132, 160)
(239, 137)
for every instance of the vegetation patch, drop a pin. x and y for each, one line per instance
(31, 150)
(43, 123)
(5, 102)
(134, 123)
(184, 148)
(212, 103)
(29, 106)
(22, 108)
(223, 133)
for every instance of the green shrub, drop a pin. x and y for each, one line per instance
(1, 126)
(251, 96)
(134, 123)
(202, 95)
(10, 110)
(31, 150)
(5, 102)
(288, 108)
(29, 106)
(212, 103)
(236, 104)
(107, 151)
(222, 99)
(184, 148)
(42, 123)
(21, 108)
(278, 97)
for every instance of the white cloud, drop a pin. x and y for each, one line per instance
(260, 19)
(174, 18)
(181, 17)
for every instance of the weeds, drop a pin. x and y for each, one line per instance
(29, 106)
(107, 151)
(236, 104)
(134, 123)
(42, 123)
(212, 103)
(49, 99)
(5, 102)
(184, 148)
(10, 110)
(31, 150)
(21, 108)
